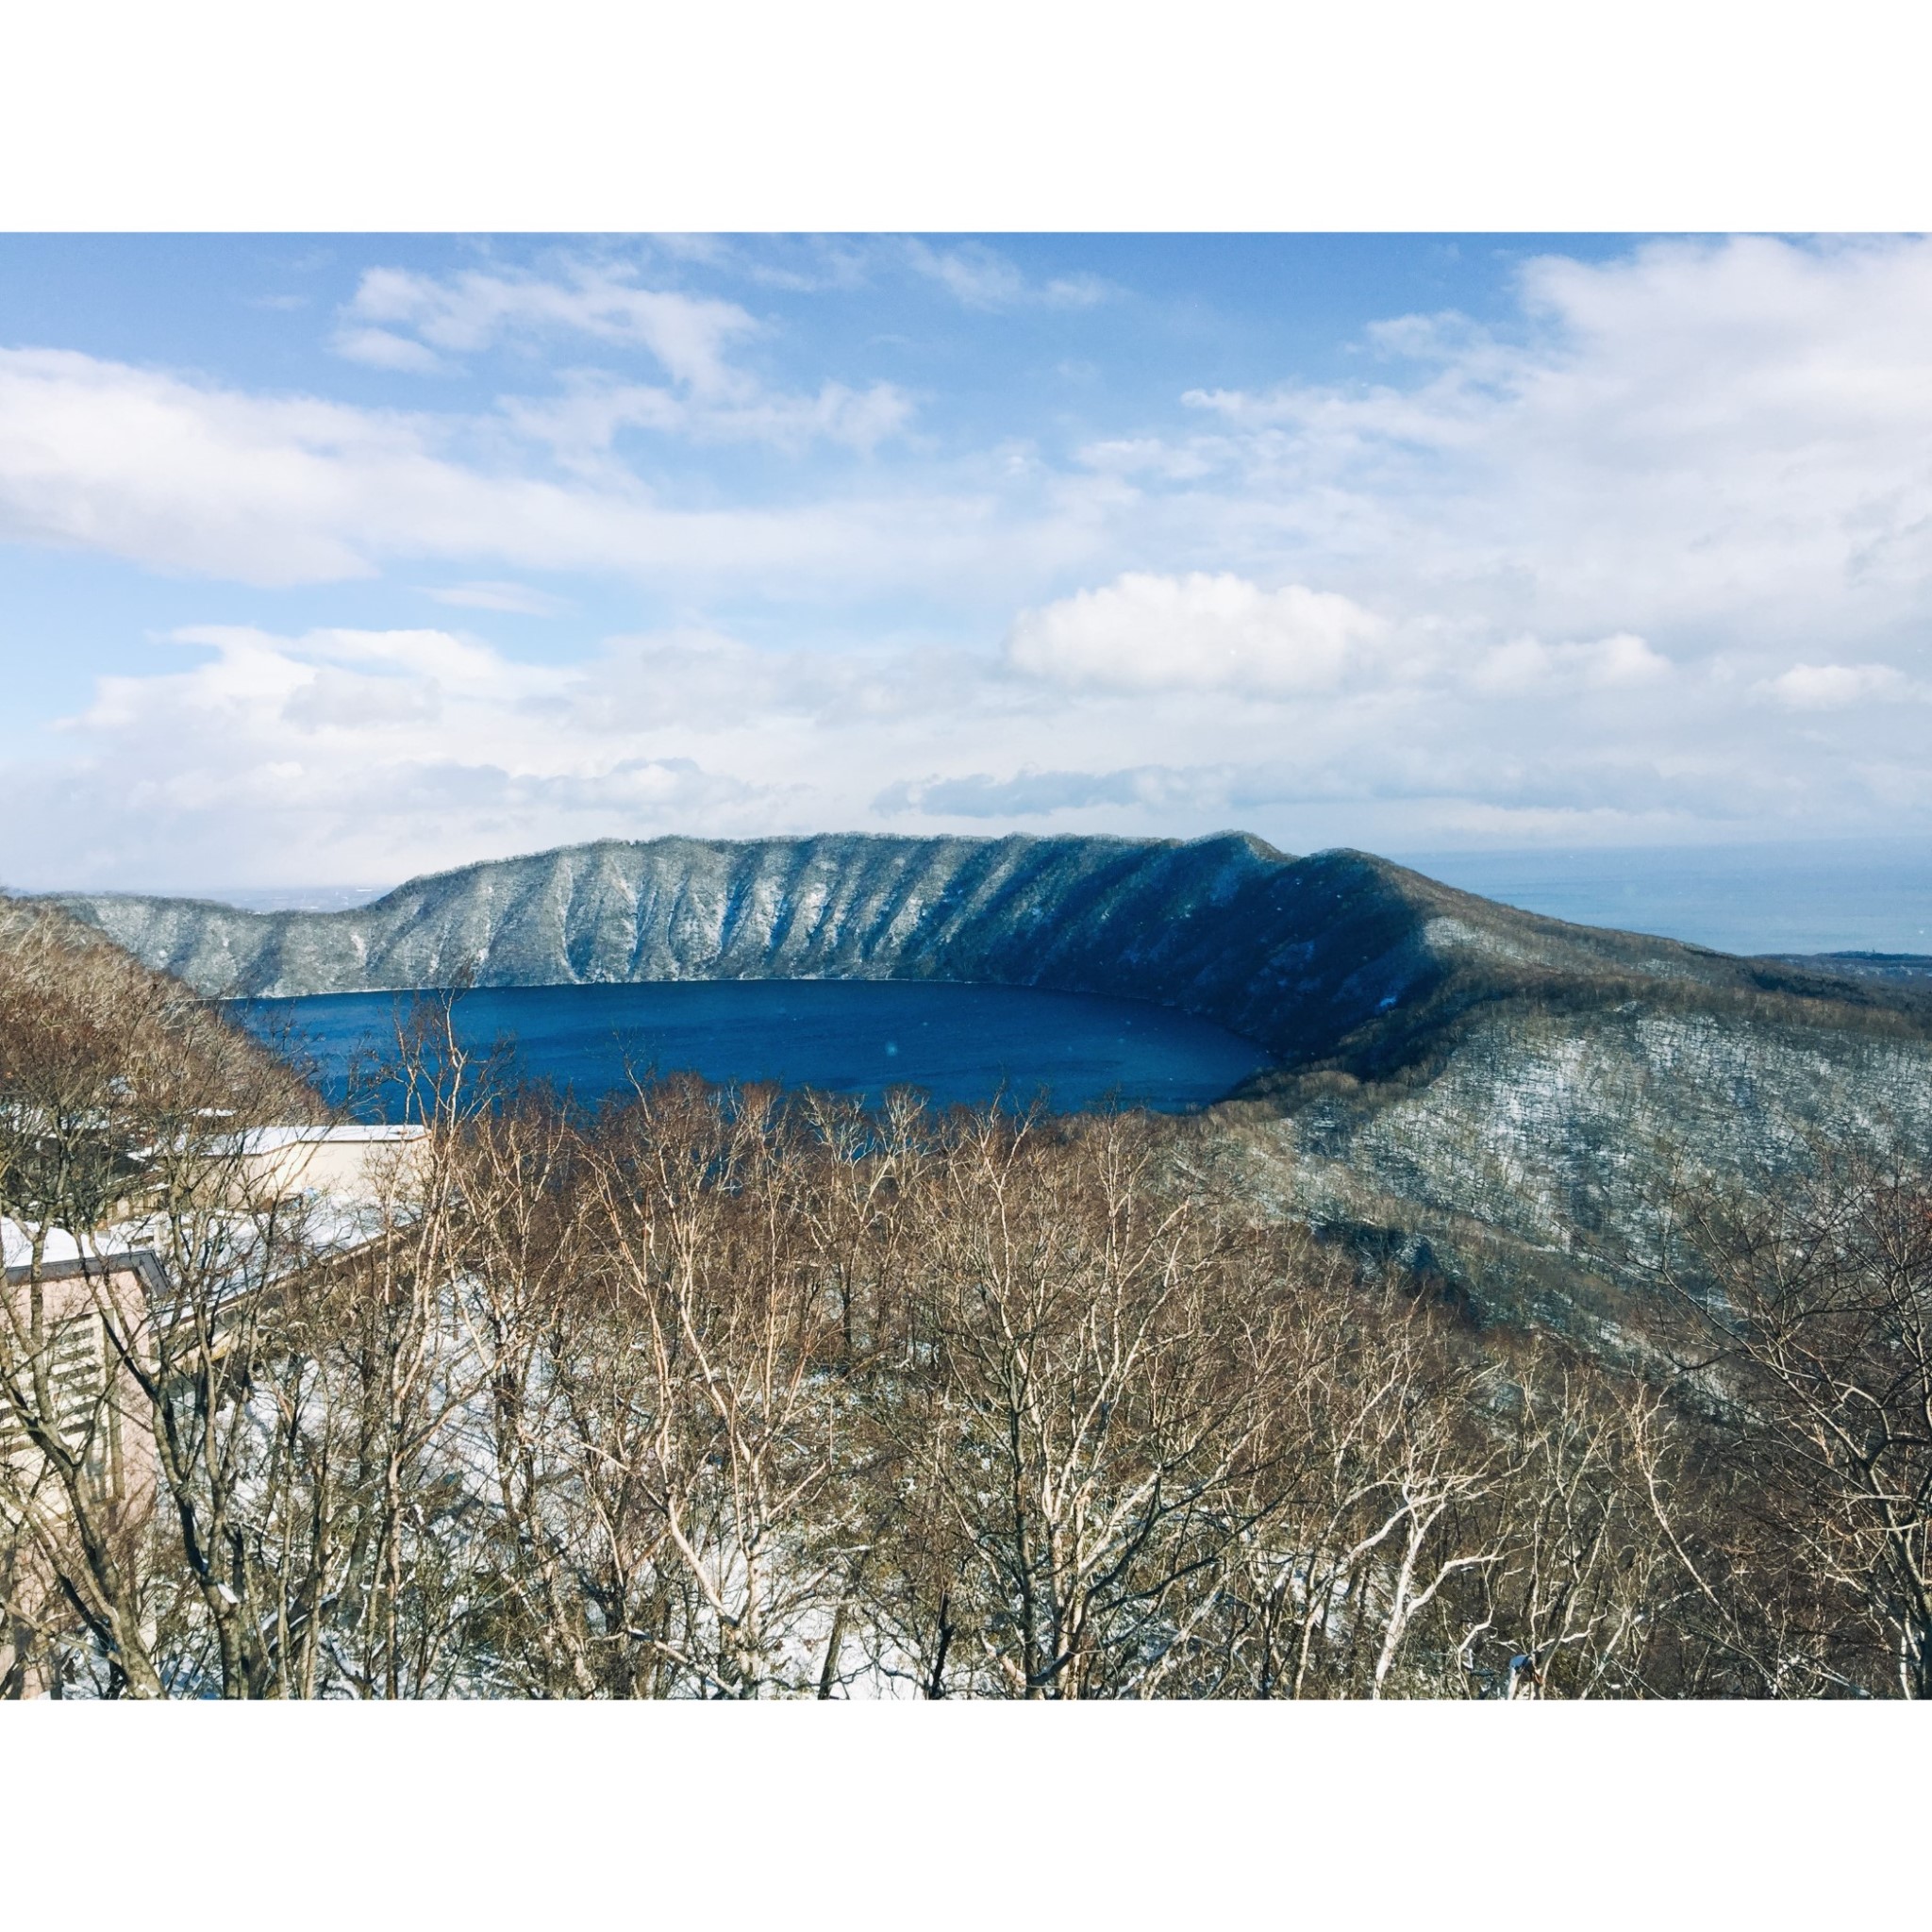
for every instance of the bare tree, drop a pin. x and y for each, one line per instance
(1088, 1405)
(736, 1337)
(1816, 1309)
(119, 1100)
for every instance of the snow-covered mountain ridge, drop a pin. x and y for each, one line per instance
(1300, 954)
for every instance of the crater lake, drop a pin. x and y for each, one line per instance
(962, 1044)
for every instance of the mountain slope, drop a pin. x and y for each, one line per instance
(1301, 954)
(1499, 1098)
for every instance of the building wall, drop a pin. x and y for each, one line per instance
(59, 1315)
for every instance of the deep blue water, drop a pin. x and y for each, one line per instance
(960, 1044)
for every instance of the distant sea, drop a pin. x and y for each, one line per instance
(1874, 896)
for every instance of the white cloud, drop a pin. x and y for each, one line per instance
(355, 754)
(1030, 793)
(707, 395)
(586, 420)
(1147, 633)
(345, 755)
(1715, 446)
(1723, 440)
(469, 311)
(1833, 687)
(347, 750)
(187, 477)
(109, 457)
(516, 599)
(981, 277)
(382, 348)
(334, 699)
(1569, 576)
(1526, 664)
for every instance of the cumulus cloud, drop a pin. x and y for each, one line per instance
(348, 700)
(346, 752)
(349, 755)
(1833, 687)
(1526, 664)
(1721, 439)
(1147, 633)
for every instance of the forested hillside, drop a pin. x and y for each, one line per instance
(731, 1394)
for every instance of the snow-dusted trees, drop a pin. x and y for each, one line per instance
(139, 1350)
(1806, 1552)
(1077, 1430)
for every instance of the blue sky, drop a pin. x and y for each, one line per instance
(332, 559)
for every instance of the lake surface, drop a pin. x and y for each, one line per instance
(960, 1044)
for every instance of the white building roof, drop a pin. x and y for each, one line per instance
(17, 1247)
